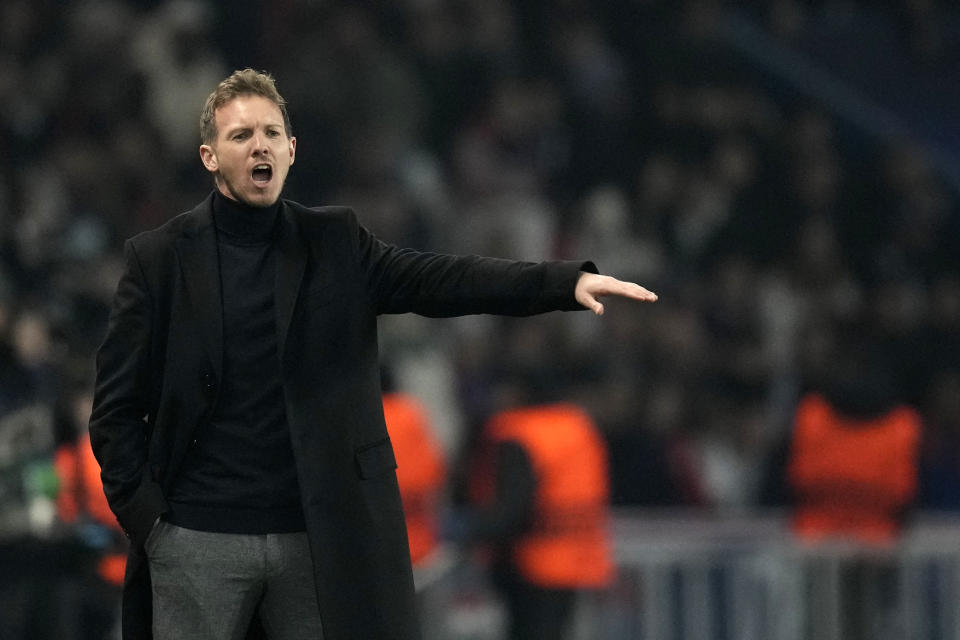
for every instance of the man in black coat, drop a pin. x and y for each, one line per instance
(237, 415)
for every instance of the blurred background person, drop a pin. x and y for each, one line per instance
(421, 470)
(855, 453)
(82, 507)
(539, 509)
(853, 470)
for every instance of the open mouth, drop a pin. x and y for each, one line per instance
(262, 174)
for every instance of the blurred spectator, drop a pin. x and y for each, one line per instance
(854, 459)
(172, 48)
(853, 468)
(82, 507)
(421, 471)
(33, 373)
(540, 500)
(653, 459)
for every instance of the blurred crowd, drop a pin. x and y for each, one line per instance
(626, 132)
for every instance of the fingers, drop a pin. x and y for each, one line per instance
(627, 290)
(592, 286)
(644, 294)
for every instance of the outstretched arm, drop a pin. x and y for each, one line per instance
(591, 286)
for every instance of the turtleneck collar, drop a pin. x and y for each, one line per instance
(241, 223)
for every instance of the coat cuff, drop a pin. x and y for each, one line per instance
(560, 282)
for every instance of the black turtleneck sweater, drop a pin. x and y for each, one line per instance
(239, 476)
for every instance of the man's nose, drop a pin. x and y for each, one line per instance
(260, 144)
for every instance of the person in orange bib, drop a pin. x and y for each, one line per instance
(82, 506)
(854, 476)
(853, 462)
(421, 471)
(853, 470)
(81, 498)
(540, 492)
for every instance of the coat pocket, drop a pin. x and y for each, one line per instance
(375, 458)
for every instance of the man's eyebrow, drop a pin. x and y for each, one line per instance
(229, 131)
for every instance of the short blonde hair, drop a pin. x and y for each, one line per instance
(240, 83)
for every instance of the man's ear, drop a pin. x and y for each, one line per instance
(209, 158)
(293, 149)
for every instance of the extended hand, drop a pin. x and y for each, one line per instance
(591, 286)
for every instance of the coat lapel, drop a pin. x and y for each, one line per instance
(197, 250)
(291, 262)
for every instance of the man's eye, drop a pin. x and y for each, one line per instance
(273, 134)
(240, 136)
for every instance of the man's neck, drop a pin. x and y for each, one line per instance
(240, 221)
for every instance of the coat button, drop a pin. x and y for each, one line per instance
(208, 382)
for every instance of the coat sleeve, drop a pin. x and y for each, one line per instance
(439, 285)
(121, 405)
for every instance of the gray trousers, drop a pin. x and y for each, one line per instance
(207, 586)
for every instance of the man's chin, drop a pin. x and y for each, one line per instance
(261, 200)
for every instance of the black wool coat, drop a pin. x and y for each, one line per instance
(159, 367)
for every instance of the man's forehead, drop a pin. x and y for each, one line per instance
(247, 109)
